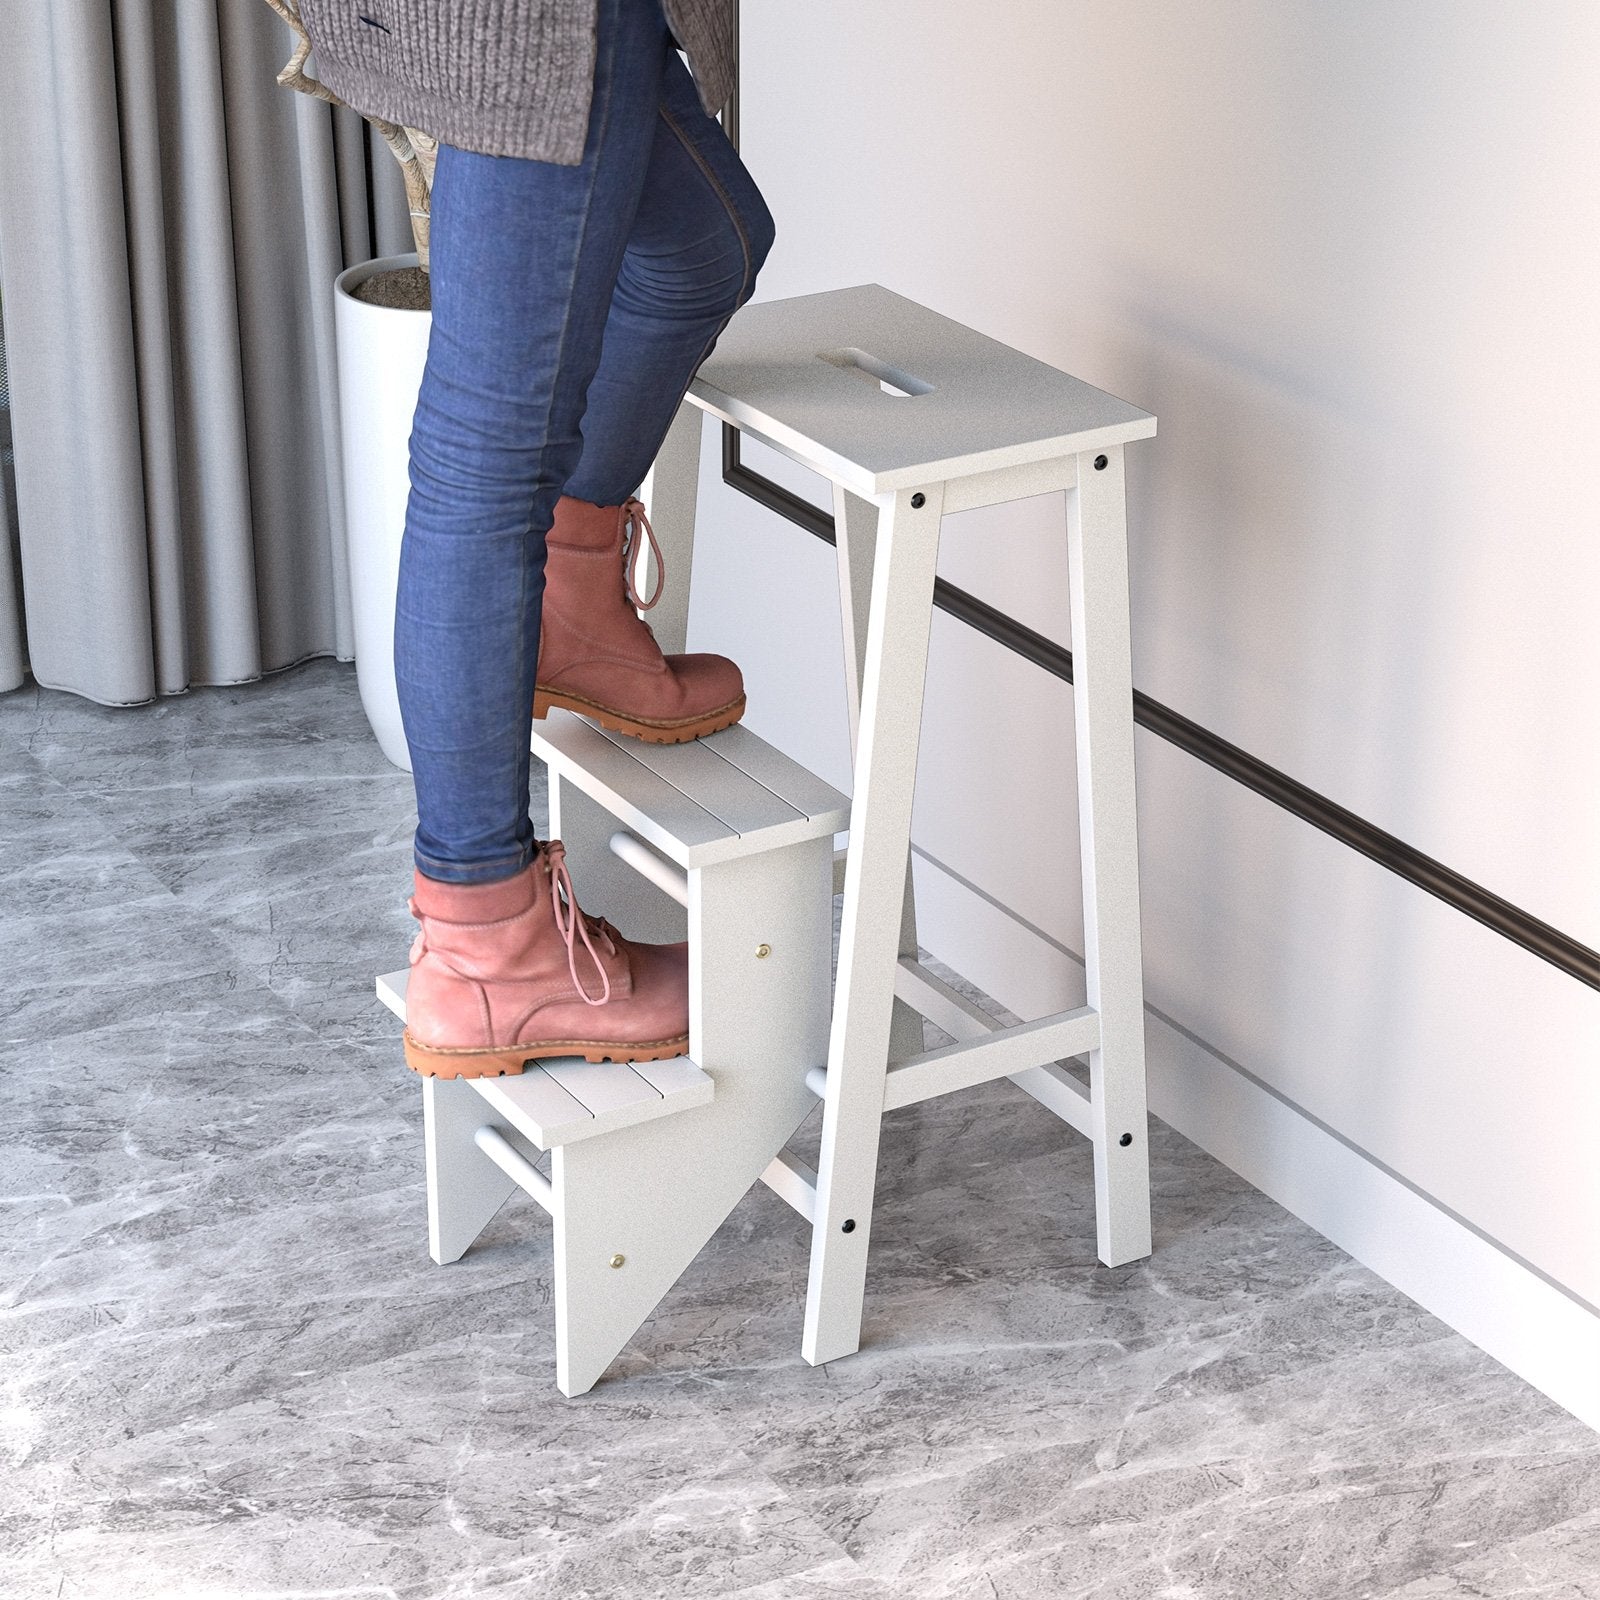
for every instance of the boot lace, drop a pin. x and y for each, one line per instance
(632, 512)
(573, 925)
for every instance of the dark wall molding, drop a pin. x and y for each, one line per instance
(1471, 899)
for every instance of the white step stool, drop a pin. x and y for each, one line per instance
(734, 842)
(911, 416)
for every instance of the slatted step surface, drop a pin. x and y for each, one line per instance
(560, 1102)
(729, 795)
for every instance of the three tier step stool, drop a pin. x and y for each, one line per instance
(909, 415)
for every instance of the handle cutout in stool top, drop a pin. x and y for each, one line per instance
(890, 380)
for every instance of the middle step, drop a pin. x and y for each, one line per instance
(717, 799)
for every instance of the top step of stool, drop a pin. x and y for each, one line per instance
(716, 799)
(805, 375)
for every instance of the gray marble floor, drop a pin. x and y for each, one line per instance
(231, 1372)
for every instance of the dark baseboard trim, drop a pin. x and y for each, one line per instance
(1471, 899)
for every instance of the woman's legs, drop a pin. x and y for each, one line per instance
(629, 263)
(699, 238)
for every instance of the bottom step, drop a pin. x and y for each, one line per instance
(559, 1102)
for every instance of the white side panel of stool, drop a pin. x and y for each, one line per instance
(670, 493)
(465, 1188)
(1097, 556)
(653, 1195)
(874, 887)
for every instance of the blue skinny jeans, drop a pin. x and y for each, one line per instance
(571, 306)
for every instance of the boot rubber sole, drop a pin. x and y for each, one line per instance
(651, 730)
(494, 1061)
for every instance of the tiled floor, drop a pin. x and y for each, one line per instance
(231, 1371)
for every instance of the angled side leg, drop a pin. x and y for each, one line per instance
(855, 524)
(855, 531)
(1097, 553)
(465, 1188)
(895, 667)
(670, 493)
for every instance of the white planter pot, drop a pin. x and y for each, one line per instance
(381, 354)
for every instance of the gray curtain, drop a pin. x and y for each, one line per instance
(11, 657)
(171, 222)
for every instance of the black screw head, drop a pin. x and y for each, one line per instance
(1126, 1139)
(918, 500)
(1101, 463)
(848, 1225)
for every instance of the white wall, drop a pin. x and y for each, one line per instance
(1350, 255)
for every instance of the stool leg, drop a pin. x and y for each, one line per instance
(1097, 554)
(895, 667)
(855, 524)
(465, 1188)
(670, 494)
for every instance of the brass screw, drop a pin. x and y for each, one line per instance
(617, 1260)
(763, 951)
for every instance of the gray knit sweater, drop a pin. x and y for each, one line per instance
(503, 77)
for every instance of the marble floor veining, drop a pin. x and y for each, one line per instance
(230, 1370)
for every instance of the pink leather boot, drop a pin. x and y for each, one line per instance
(597, 655)
(508, 972)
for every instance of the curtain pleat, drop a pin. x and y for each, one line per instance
(13, 658)
(167, 254)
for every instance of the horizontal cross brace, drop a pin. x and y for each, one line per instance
(670, 879)
(516, 1166)
(788, 1177)
(1057, 1090)
(1013, 1053)
(949, 1009)
(1006, 1052)
(945, 1007)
